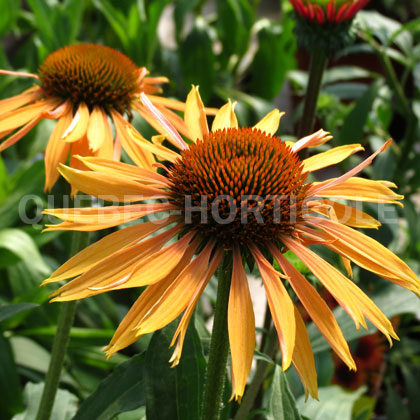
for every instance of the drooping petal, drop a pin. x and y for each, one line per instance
(361, 189)
(330, 277)
(126, 332)
(195, 116)
(317, 309)
(368, 253)
(15, 102)
(13, 119)
(79, 125)
(170, 103)
(181, 330)
(270, 123)
(110, 187)
(281, 306)
(347, 215)
(96, 252)
(330, 157)
(303, 358)
(56, 151)
(176, 297)
(99, 130)
(113, 269)
(141, 157)
(174, 119)
(316, 189)
(241, 326)
(96, 218)
(225, 117)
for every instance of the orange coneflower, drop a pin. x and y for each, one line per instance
(82, 86)
(328, 11)
(224, 189)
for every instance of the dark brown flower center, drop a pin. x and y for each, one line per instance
(90, 73)
(239, 185)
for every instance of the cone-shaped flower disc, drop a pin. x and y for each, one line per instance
(84, 87)
(242, 190)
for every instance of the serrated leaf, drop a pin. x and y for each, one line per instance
(181, 387)
(122, 390)
(281, 404)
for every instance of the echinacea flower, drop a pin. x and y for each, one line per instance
(244, 193)
(325, 24)
(82, 86)
(328, 11)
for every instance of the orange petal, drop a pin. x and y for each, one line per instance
(194, 116)
(110, 187)
(10, 104)
(368, 253)
(96, 218)
(112, 269)
(281, 306)
(361, 189)
(241, 326)
(316, 189)
(19, 134)
(316, 139)
(330, 157)
(79, 125)
(347, 215)
(270, 123)
(303, 358)
(110, 244)
(317, 309)
(138, 154)
(56, 151)
(330, 277)
(174, 119)
(126, 333)
(181, 330)
(225, 118)
(176, 297)
(170, 103)
(99, 130)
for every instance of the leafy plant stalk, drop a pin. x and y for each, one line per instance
(219, 346)
(316, 71)
(61, 339)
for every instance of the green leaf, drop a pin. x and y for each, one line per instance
(21, 245)
(122, 390)
(174, 393)
(10, 395)
(391, 299)
(9, 12)
(352, 129)
(334, 404)
(65, 403)
(395, 407)
(274, 57)
(197, 60)
(234, 22)
(7, 311)
(281, 404)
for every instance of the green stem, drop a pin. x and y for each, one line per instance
(61, 339)
(316, 71)
(219, 346)
(259, 376)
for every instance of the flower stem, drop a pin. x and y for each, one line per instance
(316, 70)
(219, 346)
(61, 339)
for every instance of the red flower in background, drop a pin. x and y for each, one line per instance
(331, 11)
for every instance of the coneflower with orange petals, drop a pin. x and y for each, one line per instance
(84, 87)
(239, 192)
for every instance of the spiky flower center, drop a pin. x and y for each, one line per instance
(90, 73)
(239, 185)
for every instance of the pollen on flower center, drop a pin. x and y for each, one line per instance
(90, 73)
(239, 185)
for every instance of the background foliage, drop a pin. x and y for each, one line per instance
(247, 51)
